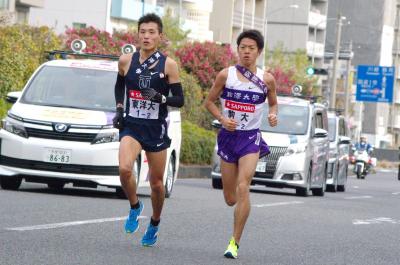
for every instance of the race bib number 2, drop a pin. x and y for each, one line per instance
(142, 108)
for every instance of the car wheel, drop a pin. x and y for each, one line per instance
(119, 191)
(169, 181)
(56, 185)
(305, 191)
(333, 187)
(10, 183)
(217, 184)
(342, 188)
(321, 191)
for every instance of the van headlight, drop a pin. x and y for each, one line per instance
(296, 148)
(106, 137)
(14, 127)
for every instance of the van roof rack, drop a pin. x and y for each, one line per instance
(63, 54)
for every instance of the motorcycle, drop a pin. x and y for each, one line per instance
(362, 163)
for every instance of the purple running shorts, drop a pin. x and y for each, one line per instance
(233, 145)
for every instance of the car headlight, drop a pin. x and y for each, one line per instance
(296, 148)
(15, 127)
(106, 137)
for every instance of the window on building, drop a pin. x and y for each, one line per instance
(77, 25)
(4, 4)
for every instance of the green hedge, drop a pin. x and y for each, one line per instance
(197, 144)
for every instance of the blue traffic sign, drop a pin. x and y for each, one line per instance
(375, 83)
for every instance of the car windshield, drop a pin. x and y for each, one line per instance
(332, 129)
(292, 119)
(72, 88)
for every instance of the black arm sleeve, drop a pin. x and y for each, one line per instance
(119, 90)
(176, 100)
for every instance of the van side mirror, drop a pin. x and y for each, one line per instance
(344, 140)
(216, 124)
(12, 97)
(320, 133)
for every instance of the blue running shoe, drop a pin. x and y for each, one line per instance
(150, 236)
(132, 222)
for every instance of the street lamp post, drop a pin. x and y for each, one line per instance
(262, 63)
(332, 96)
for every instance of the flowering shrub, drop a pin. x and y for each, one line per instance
(205, 60)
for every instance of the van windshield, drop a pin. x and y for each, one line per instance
(292, 119)
(332, 129)
(72, 88)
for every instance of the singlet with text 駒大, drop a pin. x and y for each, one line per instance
(243, 101)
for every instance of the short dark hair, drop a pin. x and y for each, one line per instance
(254, 35)
(151, 17)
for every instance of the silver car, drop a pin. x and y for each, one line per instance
(299, 148)
(339, 148)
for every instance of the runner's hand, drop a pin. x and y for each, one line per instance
(272, 119)
(151, 94)
(229, 124)
(118, 120)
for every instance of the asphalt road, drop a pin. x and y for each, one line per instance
(83, 226)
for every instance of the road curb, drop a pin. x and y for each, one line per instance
(194, 171)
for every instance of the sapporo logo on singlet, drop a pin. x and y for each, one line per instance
(140, 107)
(242, 113)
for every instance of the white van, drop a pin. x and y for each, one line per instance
(60, 131)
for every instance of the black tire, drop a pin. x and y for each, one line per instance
(358, 172)
(217, 184)
(170, 177)
(333, 187)
(10, 183)
(56, 185)
(342, 188)
(321, 191)
(120, 193)
(305, 191)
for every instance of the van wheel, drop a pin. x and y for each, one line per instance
(305, 191)
(334, 186)
(321, 191)
(10, 183)
(217, 184)
(169, 181)
(56, 185)
(342, 188)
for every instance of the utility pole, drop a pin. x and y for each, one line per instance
(332, 96)
(347, 84)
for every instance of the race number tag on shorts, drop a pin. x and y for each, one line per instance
(242, 113)
(141, 108)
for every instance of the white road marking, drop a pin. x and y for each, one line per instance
(387, 170)
(276, 204)
(59, 225)
(356, 187)
(358, 197)
(396, 193)
(378, 220)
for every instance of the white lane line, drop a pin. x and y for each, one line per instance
(59, 225)
(356, 187)
(358, 197)
(379, 220)
(396, 193)
(386, 170)
(276, 204)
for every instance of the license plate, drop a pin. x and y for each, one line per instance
(261, 166)
(62, 156)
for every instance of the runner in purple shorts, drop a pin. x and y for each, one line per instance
(242, 90)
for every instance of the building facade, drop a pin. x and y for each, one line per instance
(298, 26)
(19, 10)
(371, 32)
(238, 15)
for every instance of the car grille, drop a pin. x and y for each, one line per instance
(272, 161)
(64, 168)
(68, 136)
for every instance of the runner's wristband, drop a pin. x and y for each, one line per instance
(119, 89)
(177, 99)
